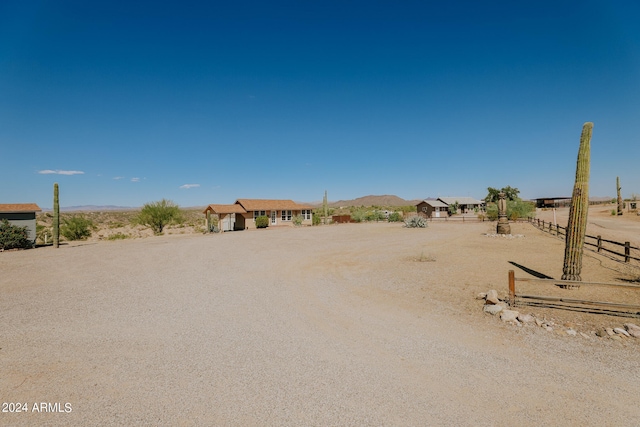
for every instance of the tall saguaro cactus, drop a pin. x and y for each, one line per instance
(578, 211)
(619, 196)
(325, 208)
(56, 217)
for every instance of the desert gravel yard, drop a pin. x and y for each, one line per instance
(349, 325)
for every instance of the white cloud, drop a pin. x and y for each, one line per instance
(118, 177)
(135, 179)
(60, 172)
(188, 186)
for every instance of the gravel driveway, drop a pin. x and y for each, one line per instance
(361, 325)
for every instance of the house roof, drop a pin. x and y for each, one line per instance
(267, 204)
(434, 203)
(19, 207)
(225, 209)
(461, 200)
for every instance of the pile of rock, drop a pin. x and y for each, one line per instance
(494, 306)
(505, 236)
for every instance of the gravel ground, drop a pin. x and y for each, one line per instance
(363, 324)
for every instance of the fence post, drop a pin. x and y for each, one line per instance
(599, 242)
(627, 251)
(512, 288)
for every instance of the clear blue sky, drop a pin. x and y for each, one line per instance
(123, 103)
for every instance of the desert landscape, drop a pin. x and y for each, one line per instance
(350, 324)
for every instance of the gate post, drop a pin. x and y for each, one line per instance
(512, 288)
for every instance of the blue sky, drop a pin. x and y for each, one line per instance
(123, 103)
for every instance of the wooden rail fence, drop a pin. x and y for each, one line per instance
(594, 243)
(599, 307)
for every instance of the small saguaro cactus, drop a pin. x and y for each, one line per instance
(578, 211)
(56, 217)
(619, 196)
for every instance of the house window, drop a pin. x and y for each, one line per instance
(306, 213)
(286, 215)
(256, 214)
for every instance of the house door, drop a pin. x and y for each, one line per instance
(273, 217)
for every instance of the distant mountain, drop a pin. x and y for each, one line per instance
(386, 200)
(91, 208)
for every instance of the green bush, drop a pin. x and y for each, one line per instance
(157, 215)
(13, 236)
(395, 217)
(358, 215)
(262, 221)
(76, 227)
(416, 221)
(297, 220)
(515, 209)
(375, 216)
(316, 219)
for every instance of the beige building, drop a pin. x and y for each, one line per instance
(21, 215)
(242, 214)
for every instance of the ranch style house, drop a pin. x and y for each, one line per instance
(440, 207)
(242, 214)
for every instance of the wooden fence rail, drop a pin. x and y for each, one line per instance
(595, 242)
(599, 307)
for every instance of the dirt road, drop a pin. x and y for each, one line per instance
(358, 324)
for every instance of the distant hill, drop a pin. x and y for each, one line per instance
(386, 200)
(91, 208)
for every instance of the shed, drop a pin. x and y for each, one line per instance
(21, 215)
(432, 208)
(227, 218)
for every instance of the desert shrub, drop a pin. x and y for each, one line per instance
(44, 233)
(358, 215)
(515, 209)
(157, 215)
(14, 236)
(118, 236)
(395, 217)
(453, 208)
(375, 216)
(262, 221)
(416, 221)
(316, 219)
(297, 220)
(77, 227)
(520, 209)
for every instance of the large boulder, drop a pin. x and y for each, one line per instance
(509, 316)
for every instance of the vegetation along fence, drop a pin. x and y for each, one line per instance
(616, 250)
(562, 302)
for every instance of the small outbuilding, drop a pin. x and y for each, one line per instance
(432, 208)
(21, 215)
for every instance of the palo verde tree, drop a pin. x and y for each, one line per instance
(577, 226)
(157, 215)
(509, 192)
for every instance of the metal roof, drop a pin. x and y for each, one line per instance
(434, 203)
(269, 205)
(461, 200)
